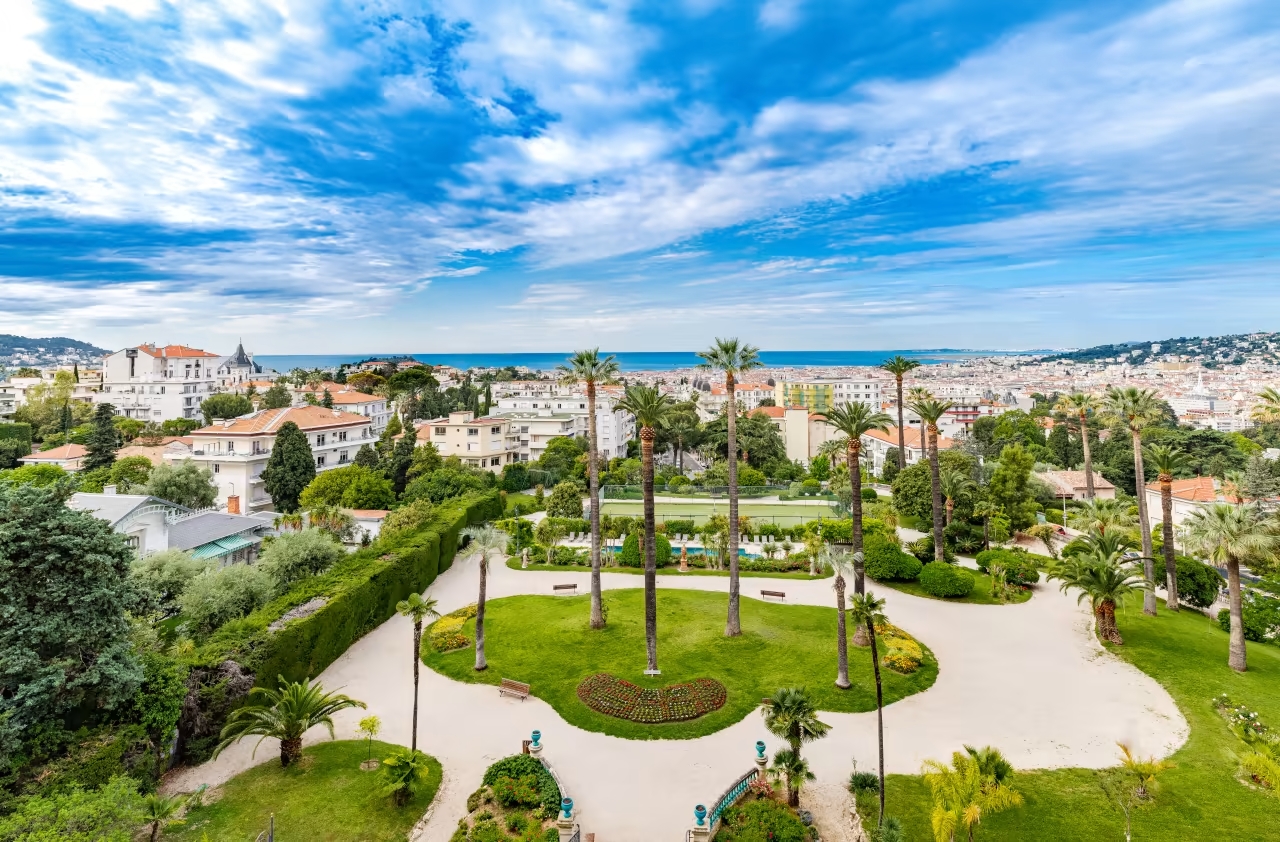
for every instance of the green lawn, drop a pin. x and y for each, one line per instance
(980, 595)
(783, 514)
(672, 570)
(325, 798)
(1199, 800)
(544, 640)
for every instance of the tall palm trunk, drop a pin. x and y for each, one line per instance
(650, 549)
(950, 507)
(875, 664)
(481, 663)
(1236, 658)
(938, 546)
(902, 435)
(1088, 458)
(1170, 552)
(842, 642)
(417, 658)
(853, 454)
(733, 626)
(924, 440)
(1144, 523)
(593, 490)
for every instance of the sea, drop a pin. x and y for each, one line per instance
(632, 360)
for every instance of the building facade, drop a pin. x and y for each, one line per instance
(539, 416)
(151, 383)
(374, 407)
(487, 442)
(821, 395)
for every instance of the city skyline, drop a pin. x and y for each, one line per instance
(413, 177)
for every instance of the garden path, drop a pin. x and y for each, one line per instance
(1030, 679)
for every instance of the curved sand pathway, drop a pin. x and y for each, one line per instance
(1030, 679)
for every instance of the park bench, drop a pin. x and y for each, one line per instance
(773, 594)
(559, 589)
(514, 688)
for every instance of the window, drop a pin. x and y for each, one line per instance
(342, 435)
(217, 469)
(320, 440)
(319, 461)
(440, 431)
(342, 457)
(472, 431)
(257, 448)
(498, 431)
(231, 448)
(495, 461)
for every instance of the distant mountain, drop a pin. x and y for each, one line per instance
(1210, 351)
(45, 350)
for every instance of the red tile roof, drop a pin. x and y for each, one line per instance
(174, 351)
(269, 421)
(60, 453)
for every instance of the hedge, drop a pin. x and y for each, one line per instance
(885, 560)
(946, 580)
(18, 432)
(362, 592)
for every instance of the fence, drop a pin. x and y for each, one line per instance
(730, 797)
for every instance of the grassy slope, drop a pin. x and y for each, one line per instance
(544, 640)
(326, 798)
(1199, 800)
(981, 594)
(672, 570)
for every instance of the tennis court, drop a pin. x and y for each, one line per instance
(782, 514)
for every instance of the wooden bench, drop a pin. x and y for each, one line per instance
(775, 594)
(558, 589)
(514, 688)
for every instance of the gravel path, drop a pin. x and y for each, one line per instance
(1030, 679)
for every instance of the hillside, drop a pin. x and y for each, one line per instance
(22, 350)
(1210, 351)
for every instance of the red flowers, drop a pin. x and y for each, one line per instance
(613, 696)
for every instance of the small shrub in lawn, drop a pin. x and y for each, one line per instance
(613, 696)
(1198, 583)
(487, 831)
(516, 822)
(946, 581)
(1261, 617)
(869, 494)
(885, 560)
(1019, 567)
(631, 556)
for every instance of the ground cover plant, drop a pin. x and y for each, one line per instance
(544, 641)
(326, 797)
(618, 697)
(1206, 795)
(517, 801)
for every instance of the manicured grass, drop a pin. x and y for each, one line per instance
(673, 570)
(326, 798)
(980, 595)
(545, 641)
(699, 510)
(1201, 799)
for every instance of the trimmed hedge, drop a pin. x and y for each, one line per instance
(946, 580)
(632, 557)
(1020, 567)
(18, 432)
(885, 560)
(362, 591)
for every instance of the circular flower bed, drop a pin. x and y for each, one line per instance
(613, 696)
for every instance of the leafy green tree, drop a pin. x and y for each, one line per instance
(426, 458)
(451, 480)
(565, 500)
(11, 450)
(369, 491)
(164, 576)
(104, 441)
(41, 476)
(418, 609)
(225, 405)
(129, 473)
(228, 593)
(290, 468)
(407, 517)
(820, 467)
(899, 367)
(276, 397)
(64, 594)
(294, 556)
(560, 455)
(179, 426)
(352, 486)
(186, 484)
(590, 369)
(110, 813)
(758, 440)
(158, 703)
(285, 714)
(1010, 486)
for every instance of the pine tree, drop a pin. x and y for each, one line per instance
(366, 456)
(400, 458)
(103, 440)
(327, 400)
(290, 467)
(277, 397)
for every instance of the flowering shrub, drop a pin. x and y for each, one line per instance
(1262, 762)
(613, 696)
(904, 654)
(446, 634)
(517, 792)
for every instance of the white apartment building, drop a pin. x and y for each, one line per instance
(747, 396)
(541, 418)
(876, 446)
(488, 442)
(236, 450)
(14, 391)
(153, 383)
(374, 407)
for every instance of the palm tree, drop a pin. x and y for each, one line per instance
(1267, 410)
(650, 409)
(1228, 535)
(158, 812)
(1167, 461)
(920, 393)
(589, 368)
(1096, 541)
(991, 762)
(418, 609)
(841, 564)
(1106, 581)
(733, 358)
(791, 715)
(1144, 769)
(868, 611)
(285, 714)
(955, 485)
(963, 794)
(1136, 409)
(486, 543)
(931, 412)
(986, 510)
(899, 366)
(1081, 405)
(794, 770)
(854, 420)
(1102, 515)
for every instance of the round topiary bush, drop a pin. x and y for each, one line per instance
(869, 494)
(632, 557)
(946, 581)
(885, 560)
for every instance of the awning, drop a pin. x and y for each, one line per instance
(222, 546)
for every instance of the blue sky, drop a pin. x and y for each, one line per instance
(339, 177)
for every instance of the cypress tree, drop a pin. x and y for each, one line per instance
(366, 456)
(290, 467)
(401, 458)
(327, 400)
(103, 440)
